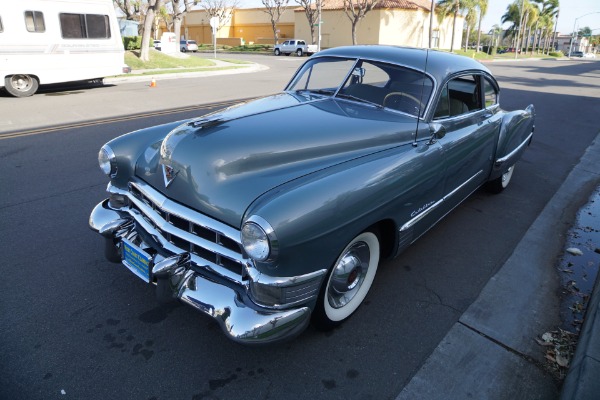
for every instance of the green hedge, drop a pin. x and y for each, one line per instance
(556, 54)
(133, 42)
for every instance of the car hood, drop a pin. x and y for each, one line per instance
(220, 163)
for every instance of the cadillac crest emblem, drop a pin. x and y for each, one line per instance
(169, 174)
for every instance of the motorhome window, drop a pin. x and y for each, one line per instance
(34, 21)
(84, 26)
(1, 27)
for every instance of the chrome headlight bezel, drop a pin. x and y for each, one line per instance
(259, 240)
(107, 161)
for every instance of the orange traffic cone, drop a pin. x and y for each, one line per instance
(153, 83)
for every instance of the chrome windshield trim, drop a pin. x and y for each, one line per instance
(502, 160)
(426, 212)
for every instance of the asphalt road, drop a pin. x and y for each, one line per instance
(74, 326)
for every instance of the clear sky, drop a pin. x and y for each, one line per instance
(569, 11)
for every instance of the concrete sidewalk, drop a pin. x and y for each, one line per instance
(491, 352)
(146, 75)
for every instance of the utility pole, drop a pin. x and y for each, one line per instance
(320, 22)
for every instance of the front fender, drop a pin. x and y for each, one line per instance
(130, 146)
(316, 216)
(516, 133)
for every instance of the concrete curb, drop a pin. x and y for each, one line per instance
(491, 353)
(582, 382)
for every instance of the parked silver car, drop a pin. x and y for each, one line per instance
(265, 225)
(188, 45)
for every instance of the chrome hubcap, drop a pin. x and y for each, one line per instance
(348, 275)
(506, 176)
(21, 82)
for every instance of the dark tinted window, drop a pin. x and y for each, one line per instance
(34, 21)
(84, 26)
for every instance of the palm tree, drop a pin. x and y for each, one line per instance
(482, 5)
(431, 11)
(470, 18)
(447, 7)
(513, 16)
(532, 14)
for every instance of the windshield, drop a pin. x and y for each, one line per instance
(376, 83)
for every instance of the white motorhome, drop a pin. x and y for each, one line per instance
(52, 41)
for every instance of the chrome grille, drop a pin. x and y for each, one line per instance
(214, 245)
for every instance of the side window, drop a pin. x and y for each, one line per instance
(491, 95)
(1, 26)
(84, 26)
(460, 95)
(34, 21)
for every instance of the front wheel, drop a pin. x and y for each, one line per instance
(348, 281)
(20, 85)
(500, 183)
(277, 52)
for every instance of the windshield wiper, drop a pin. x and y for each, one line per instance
(326, 92)
(351, 97)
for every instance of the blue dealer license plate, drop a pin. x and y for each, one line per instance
(136, 260)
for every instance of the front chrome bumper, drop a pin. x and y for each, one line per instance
(240, 319)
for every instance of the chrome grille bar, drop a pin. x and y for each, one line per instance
(179, 229)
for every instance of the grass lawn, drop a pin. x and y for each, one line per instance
(161, 60)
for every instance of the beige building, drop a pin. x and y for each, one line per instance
(393, 22)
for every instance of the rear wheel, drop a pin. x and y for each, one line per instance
(348, 281)
(500, 183)
(299, 52)
(20, 85)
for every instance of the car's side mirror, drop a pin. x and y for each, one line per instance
(359, 72)
(438, 131)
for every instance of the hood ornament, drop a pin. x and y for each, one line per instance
(169, 174)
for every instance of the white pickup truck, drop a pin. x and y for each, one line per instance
(297, 46)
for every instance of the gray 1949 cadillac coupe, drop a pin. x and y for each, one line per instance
(265, 224)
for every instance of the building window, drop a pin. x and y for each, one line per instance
(34, 21)
(435, 39)
(84, 26)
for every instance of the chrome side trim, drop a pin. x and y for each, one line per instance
(426, 212)
(502, 160)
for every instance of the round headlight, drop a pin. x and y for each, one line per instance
(107, 161)
(255, 241)
(258, 239)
